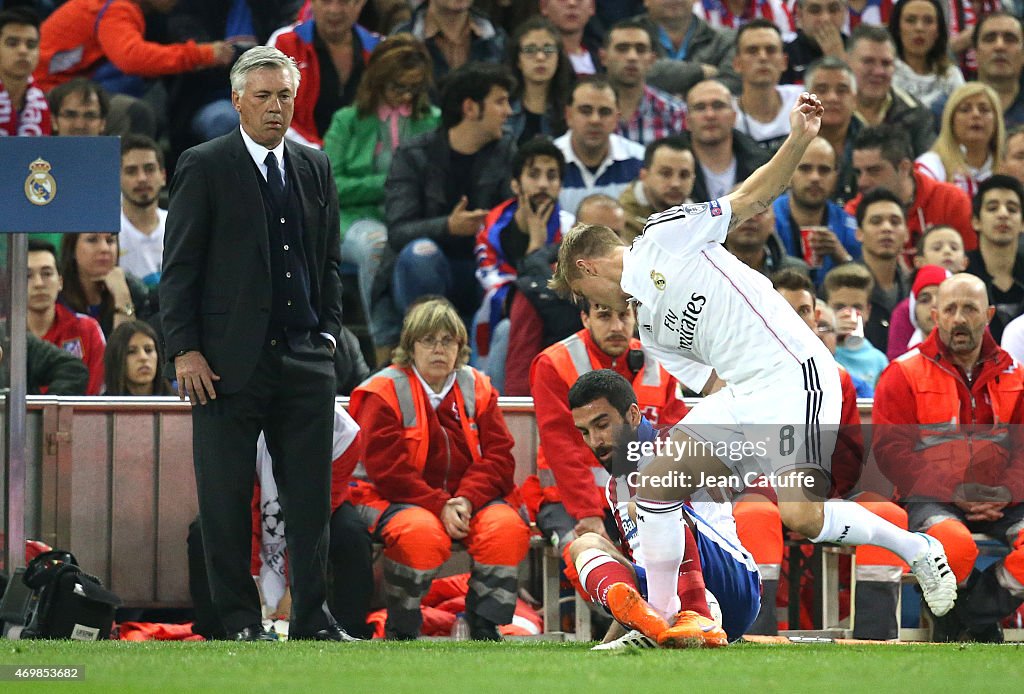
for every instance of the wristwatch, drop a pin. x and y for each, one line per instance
(127, 310)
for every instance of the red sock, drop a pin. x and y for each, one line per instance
(598, 571)
(691, 579)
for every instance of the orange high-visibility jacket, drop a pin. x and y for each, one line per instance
(415, 454)
(934, 432)
(579, 477)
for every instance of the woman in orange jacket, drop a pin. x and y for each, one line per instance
(439, 459)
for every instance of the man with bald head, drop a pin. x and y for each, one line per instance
(947, 419)
(809, 205)
(724, 155)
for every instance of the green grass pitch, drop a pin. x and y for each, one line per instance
(440, 667)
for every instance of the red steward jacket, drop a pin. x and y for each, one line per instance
(935, 202)
(934, 431)
(415, 454)
(551, 376)
(298, 43)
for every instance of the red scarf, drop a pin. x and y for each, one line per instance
(32, 120)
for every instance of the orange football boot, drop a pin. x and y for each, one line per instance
(692, 630)
(633, 612)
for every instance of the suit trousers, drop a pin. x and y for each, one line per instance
(290, 397)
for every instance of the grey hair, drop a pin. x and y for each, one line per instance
(830, 62)
(259, 58)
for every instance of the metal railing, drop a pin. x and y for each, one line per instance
(111, 480)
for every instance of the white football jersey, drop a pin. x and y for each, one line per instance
(699, 303)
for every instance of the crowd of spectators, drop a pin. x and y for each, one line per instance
(466, 137)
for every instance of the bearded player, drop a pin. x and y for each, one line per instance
(605, 412)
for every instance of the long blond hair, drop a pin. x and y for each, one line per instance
(947, 146)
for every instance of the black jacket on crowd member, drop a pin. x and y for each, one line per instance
(350, 367)
(909, 116)
(49, 366)
(417, 201)
(749, 157)
(801, 52)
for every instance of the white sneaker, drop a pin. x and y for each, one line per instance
(631, 639)
(935, 577)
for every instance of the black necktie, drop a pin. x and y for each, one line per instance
(274, 179)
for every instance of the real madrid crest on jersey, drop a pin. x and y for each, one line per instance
(658, 279)
(40, 186)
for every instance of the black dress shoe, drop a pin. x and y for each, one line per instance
(252, 633)
(332, 633)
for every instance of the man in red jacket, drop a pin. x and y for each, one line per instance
(54, 322)
(567, 495)
(331, 51)
(440, 462)
(882, 159)
(947, 421)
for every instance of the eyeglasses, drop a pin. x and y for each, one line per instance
(532, 49)
(75, 115)
(431, 343)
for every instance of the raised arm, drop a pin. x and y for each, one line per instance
(756, 194)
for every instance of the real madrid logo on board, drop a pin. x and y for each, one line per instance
(40, 186)
(658, 279)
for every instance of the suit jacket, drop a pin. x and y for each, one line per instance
(215, 290)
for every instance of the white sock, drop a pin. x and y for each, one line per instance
(848, 523)
(660, 531)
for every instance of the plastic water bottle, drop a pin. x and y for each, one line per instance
(460, 629)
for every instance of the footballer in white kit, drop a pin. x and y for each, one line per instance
(700, 309)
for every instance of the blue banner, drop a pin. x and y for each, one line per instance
(60, 184)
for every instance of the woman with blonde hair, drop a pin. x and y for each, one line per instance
(972, 139)
(391, 106)
(440, 467)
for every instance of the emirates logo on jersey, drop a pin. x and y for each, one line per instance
(685, 325)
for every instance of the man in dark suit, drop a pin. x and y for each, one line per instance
(253, 311)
